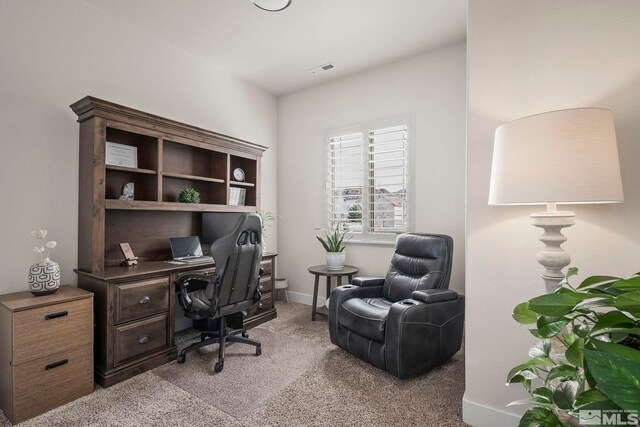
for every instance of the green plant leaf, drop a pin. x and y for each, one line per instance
(326, 247)
(631, 284)
(565, 394)
(629, 302)
(540, 350)
(615, 376)
(571, 271)
(597, 280)
(536, 361)
(574, 353)
(544, 393)
(549, 326)
(590, 396)
(625, 331)
(539, 417)
(564, 372)
(523, 315)
(618, 349)
(613, 319)
(552, 304)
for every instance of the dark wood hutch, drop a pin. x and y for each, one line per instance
(135, 306)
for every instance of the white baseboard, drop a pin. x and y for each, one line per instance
(479, 415)
(305, 298)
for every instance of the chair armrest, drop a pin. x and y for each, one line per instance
(430, 296)
(184, 283)
(342, 293)
(368, 281)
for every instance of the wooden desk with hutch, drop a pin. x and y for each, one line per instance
(134, 306)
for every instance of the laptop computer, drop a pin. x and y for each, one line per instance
(188, 249)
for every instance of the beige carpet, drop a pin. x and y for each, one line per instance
(328, 388)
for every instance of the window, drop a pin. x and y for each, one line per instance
(368, 192)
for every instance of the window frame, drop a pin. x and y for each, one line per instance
(367, 237)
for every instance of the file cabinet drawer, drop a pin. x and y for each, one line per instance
(50, 381)
(137, 338)
(136, 300)
(46, 330)
(265, 304)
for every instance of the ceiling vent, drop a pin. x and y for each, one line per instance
(322, 69)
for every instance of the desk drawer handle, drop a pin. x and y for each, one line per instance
(144, 339)
(260, 305)
(144, 300)
(56, 364)
(261, 287)
(55, 316)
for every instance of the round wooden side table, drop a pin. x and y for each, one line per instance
(322, 270)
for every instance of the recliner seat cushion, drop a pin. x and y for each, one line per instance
(366, 317)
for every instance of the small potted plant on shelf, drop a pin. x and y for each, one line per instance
(333, 244)
(587, 363)
(189, 195)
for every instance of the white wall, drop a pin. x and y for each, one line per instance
(430, 86)
(54, 53)
(525, 58)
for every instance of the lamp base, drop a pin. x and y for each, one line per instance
(553, 257)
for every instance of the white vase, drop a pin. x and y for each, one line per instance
(44, 277)
(335, 260)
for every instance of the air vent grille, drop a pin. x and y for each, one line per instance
(322, 68)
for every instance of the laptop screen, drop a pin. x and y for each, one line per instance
(185, 246)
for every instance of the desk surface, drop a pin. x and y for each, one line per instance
(322, 270)
(147, 268)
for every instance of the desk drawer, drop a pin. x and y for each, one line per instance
(268, 268)
(46, 330)
(135, 339)
(136, 300)
(265, 304)
(50, 381)
(266, 284)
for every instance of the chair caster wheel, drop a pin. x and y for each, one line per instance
(245, 334)
(218, 366)
(258, 351)
(181, 358)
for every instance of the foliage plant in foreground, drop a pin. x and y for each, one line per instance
(588, 357)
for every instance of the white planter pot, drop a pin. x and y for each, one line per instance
(44, 277)
(335, 260)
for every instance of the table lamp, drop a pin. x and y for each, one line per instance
(558, 157)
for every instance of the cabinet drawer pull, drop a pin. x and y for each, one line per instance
(55, 316)
(260, 305)
(261, 287)
(56, 364)
(144, 300)
(144, 339)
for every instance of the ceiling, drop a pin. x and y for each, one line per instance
(274, 50)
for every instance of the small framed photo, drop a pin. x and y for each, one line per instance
(237, 196)
(121, 155)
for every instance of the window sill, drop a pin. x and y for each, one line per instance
(370, 243)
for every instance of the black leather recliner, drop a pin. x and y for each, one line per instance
(211, 300)
(407, 322)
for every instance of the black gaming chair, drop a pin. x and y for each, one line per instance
(210, 300)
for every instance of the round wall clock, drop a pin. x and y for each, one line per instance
(238, 174)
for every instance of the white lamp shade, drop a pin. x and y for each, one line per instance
(566, 156)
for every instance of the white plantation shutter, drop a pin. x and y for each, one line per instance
(345, 180)
(388, 175)
(368, 180)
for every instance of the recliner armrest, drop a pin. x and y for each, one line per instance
(368, 281)
(430, 296)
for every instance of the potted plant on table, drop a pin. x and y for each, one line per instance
(586, 368)
(333, 244)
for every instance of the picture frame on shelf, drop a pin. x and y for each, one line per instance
(121, 155)
(237, 196)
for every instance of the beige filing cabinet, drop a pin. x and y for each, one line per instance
(46, 351)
